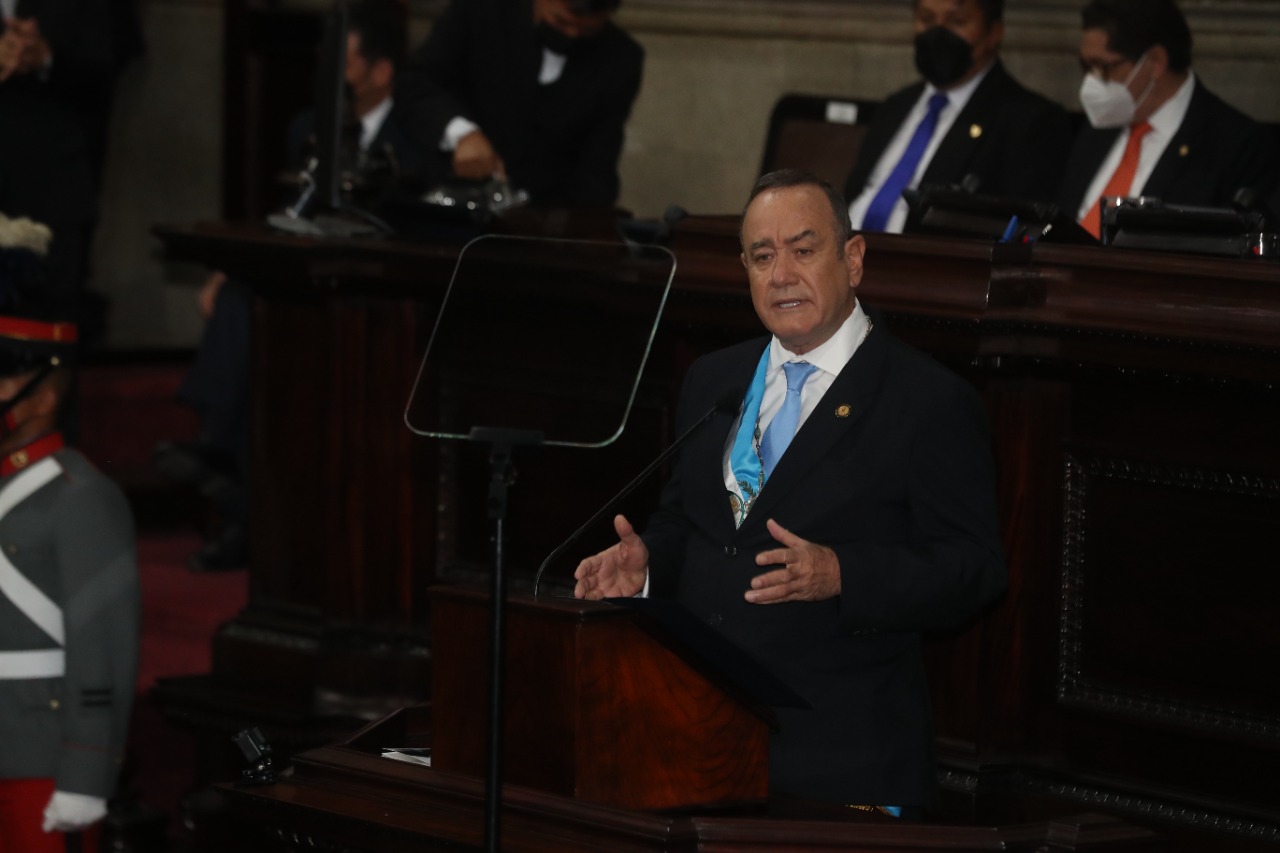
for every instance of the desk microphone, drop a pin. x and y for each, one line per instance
(727, 403)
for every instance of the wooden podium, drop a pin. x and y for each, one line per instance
(598, 708)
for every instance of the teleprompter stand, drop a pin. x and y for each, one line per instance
(491, 377)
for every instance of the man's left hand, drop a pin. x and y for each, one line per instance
(810, 572)
(23, 49)
(68, 812)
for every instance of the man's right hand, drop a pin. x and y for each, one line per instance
(617, 572)
(207, 298)
(23, 50)
(476, 159)
(11, 46)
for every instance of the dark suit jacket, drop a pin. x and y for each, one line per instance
(560, 142)
(903, 491)
(393, 135)
(1018, 152)
(45, 150)
(1217, 151)
(53, 135)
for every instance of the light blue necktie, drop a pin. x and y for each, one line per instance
(878, 212)
(784, 424)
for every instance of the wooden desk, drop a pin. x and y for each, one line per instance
(347, 797)
(1135, 407)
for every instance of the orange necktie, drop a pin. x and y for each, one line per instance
(1121, 179)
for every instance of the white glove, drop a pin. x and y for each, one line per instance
(68, 812)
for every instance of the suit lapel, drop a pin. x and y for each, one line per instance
(957, 147)
(1091, 149)
(888, 117)
(1173, 162)
(856, 387)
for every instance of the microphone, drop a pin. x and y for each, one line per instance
(727, 403)
(1245, 200)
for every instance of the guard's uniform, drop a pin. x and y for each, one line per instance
(69, 611)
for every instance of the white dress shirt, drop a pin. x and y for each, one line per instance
(829, 357)
(458, 127)
(372, 121)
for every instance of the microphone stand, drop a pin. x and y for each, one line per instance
(727, 403)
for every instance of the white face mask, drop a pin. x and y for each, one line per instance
(1108, 103)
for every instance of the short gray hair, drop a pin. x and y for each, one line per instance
(787, 178)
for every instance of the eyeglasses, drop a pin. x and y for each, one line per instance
(1103, 70)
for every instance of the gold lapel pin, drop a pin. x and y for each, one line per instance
(1184, 150)
(843, 411)
(975, 130)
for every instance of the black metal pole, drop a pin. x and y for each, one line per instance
(493, 779)
(500, 463)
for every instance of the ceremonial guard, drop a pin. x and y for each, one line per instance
(69, 595)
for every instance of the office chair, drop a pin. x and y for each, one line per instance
(818, 134)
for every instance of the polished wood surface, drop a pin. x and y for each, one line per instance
(1134, 399)
(597, 708)
(348, 797)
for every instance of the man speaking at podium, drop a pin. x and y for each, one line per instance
(825, 556)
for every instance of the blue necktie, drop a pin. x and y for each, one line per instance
(784, 424)
(877, 215)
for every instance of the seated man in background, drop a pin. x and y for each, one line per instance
(826, 556)
(536, 92)
(69, 602)
(1155, 129)
(968, 123)
(375, 49)
(217, 463)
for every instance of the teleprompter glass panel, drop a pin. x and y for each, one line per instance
(544, 336)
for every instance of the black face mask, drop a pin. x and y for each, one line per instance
(7, 422)
(556, 41)
(942, 57)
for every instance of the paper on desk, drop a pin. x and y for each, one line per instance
(409, 754)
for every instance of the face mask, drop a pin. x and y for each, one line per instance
(1108, 103)
(942, 57)
(556, 41)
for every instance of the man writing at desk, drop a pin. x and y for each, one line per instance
(532, 91)
(824, 556)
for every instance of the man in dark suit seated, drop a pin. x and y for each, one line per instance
(967, 123)
(219, 381)
(824, 557)
(536, 92)
(1155, 129)
(375, 50)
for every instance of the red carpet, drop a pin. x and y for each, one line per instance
(181, 609)
(126, 406)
